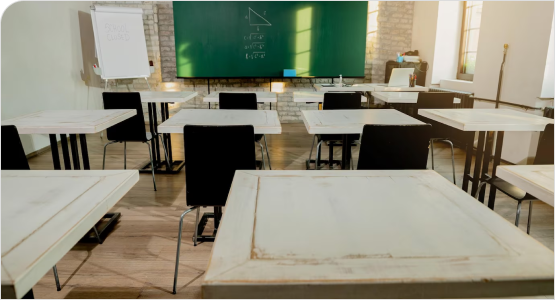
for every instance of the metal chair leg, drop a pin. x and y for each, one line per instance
(125, 155)
(352, 165)
(452, 159)
(310, 154)
(432, 150)
(104, 157)
(195, 241)
(97, 235)
(479, 189)
(518, 212)
(58, 287)
(317, 156)
(151, 165)
(529, 217)
(179, 248)
(262, 154)
(267, 152)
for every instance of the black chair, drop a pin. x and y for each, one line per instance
(394, 147)
(440, 132)
(208, 180)
(245, 101)
(544, 156)
(130, 130)
(334, 101)
(14, 158)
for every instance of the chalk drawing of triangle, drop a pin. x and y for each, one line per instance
(257, 20)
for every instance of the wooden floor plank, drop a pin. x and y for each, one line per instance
(137, 259)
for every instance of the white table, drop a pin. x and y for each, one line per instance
(72, 122)
(359, 87)
(536, 180)
(264, 121)
(493, 121)
(382, 87)
(347, 122)
(368, 234)
(261, 97)
(41, 224)
(167, 97)
(306, 96)
(164, 98)
(401, 97)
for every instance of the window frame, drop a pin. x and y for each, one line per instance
(463, 45)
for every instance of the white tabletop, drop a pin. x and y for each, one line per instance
(368, 234)
(41, 224)
(487, 119)
(260, 96)
(352, 121)
(382, 87)
(306, 96)
(401, 97)
(360, 87)
(536, 180)
(264, 121)
(69, 121)
(167, 97)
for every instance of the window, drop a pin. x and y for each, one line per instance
(472, 15)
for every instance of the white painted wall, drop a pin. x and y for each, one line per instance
(41, 62)
(447, 41)
(525, 26)
(549, 74)
(424, 26)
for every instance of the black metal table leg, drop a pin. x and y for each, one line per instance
(330, 159)
(55, 153)
(151, 125)
(65, 152)
(485, 162)
(74, 151)
(84, 152)
(159, 165)
(169, 140)
(496, 161)
(468, 161)
(155, 135)
(477, 162)
(346, 153)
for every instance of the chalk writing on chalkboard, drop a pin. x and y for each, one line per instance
(257, 20)
(256, 55)
(116, 32)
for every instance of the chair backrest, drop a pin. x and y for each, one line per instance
(394, 147)
(238, 101)
(13, 155)
(132, 129)
(212, 155)
(544, 154)
(341, 101)
(435, 100)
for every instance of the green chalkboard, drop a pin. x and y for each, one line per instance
(260, 39)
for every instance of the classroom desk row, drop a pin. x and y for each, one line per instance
(464, 228)
(441, 244)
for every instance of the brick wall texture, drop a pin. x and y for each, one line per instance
(389, 32)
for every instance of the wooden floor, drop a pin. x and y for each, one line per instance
(137, 259)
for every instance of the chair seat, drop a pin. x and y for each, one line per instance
(510, 190)
(258, 137)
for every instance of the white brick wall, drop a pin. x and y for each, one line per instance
(392, 33)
